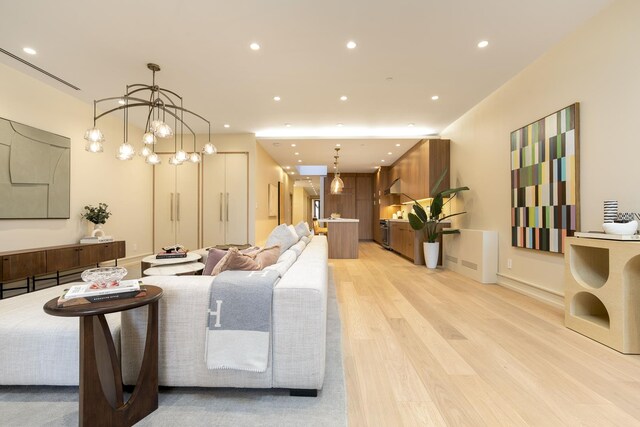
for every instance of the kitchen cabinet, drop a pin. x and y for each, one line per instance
(175, 204)
(402, 239)
(364, 202)
(225, 203)
(421, 166)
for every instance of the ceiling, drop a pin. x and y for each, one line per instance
(406, 53)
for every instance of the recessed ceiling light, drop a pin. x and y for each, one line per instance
(382, 160)
(299, 161)
(351, 45)
(287, 167)
(339, 125)
(29, 50)
(397, 145)
(435, 97)
(411, 125)
(296, 153)
(227, 125)
(254, 46)
(287, 125)
(343, 98)
(389, 153)
(292, 173)
(337, 145)
(121, 101)
(308, 178)
(483, 43)
(276, 98)
(293, 145)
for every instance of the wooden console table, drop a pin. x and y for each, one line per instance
(26, 264)
(101, 392)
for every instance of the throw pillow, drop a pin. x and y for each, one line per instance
(267, 256)
(283, 236)
(302, 229)
(214, 257)
(234, 260)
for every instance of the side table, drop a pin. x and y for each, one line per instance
(101, 394)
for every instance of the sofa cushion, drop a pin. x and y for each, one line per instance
(298, 247)
(213, 258)
(234, 260)
(283, 235)
(267, 256)
(302, 229)
(306, 239)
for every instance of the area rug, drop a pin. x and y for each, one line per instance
(58, 406)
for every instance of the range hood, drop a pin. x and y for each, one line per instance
(395, 188)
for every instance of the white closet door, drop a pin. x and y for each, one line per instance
(213, 200)
(164, 200)
(186, 202)
(236, 194)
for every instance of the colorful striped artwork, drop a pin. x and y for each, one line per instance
(544, 181)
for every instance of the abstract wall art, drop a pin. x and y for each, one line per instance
(34, 172)
(545, 207)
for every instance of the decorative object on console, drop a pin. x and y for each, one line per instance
(545, 189)
(429, 223)
(98, 215)
(610, 210)
(337, 185)
(160, 102)
(620, 228)
(36, 167)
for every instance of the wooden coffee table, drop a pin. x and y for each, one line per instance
(101, 393)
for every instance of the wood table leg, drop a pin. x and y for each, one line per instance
(101, 397)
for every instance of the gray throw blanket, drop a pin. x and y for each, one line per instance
(239, 320)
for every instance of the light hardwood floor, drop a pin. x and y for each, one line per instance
(428, 347)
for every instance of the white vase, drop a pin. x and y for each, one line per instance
(431, 251)
(97, 230)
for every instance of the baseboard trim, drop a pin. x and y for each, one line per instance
(533, 290)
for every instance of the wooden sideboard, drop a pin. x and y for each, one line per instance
(26, 264)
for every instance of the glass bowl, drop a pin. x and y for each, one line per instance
(104, 277)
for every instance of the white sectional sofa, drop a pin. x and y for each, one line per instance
(38, 349)
(298, 336)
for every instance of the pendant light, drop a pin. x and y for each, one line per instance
(336, 184)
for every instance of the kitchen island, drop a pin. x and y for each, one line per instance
(342, 237)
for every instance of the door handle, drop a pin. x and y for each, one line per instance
(178, 206)
(221, 207)
(227, 207)
(171, 206)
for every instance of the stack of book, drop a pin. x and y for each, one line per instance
(176, 251)
(89, 293)
(100, 239)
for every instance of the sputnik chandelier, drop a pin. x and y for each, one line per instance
(161, 103)
(336, 184)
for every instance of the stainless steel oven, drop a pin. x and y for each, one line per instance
(386, 233)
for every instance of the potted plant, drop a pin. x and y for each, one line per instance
(97, 215)
(427, 222)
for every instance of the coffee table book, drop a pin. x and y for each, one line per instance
(87, 293)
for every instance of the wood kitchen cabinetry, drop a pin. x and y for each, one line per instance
(402, 239)
(356, 201)
(421, 166)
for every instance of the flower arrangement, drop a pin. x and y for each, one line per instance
(96, 215)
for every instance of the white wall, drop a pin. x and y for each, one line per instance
(125, 186)
(598, 66)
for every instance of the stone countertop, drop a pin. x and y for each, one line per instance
(338, 220)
